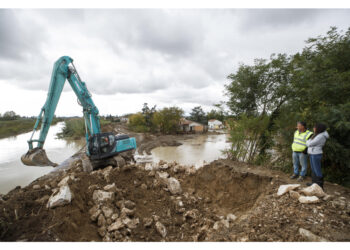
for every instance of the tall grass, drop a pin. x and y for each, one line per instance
(73, 128)
(19, 126)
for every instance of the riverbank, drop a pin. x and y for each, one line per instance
(19, 126)
(222, 201)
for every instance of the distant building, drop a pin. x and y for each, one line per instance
(192, 127)
(215, 124)
(124, 119)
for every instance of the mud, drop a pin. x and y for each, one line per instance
(222, 201)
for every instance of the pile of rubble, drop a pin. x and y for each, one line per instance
(170, 202)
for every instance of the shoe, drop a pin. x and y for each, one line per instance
(294, 176)
(309, 184)
(301, 178)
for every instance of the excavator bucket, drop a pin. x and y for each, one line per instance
(37, 157)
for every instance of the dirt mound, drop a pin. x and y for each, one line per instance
(166, 202)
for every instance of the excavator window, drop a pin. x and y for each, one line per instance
(101, 145)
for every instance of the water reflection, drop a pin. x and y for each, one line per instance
(12, 170)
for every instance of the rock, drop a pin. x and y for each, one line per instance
(65, 180)
(126, 212)
(102, 231)
(162, 175)
(63, 197)
(231, 217)
(110, 188)
(173, 185)
(336, 193)
(147, 222)
(36, 187)
(193, 214)
(143, 186)
(115, 217)
(327, 197)
(94, 213)
(294, 194)
(306, 234)
(107, 211)
(161, 229)
(308, 199)
(285, 188)
(101, 221)
(129, 204)
(47, 187)
(165, 166)
(100, 196)
(116, 225)
(313, 190)
(131, 223)
(220, 224)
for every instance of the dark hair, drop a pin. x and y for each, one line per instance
(302, 123)
(320, 128)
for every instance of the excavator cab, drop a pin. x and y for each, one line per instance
(105, 145)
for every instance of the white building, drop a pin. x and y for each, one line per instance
(215, 124)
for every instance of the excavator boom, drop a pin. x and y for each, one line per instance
(99, 145)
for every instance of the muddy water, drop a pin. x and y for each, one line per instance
(12, 171)
(195, 151)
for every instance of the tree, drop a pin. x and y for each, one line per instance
(168, 119)
(137, 123)
(148, 114)
(10, 115)
(197, 115)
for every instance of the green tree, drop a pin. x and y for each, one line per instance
(197, 115)
(137, 123)
(168, 119)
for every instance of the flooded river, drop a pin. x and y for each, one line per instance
(194, 151)
(12, 171)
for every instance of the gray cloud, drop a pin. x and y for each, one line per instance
(173, 56)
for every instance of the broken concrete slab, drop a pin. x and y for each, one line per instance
(285, 188)
(63, 197)
(101, 196)
(313, 190)
(308, 199)
(173, 185)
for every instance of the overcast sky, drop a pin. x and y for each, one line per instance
(129, 57)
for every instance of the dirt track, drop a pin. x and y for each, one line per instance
(223, 201)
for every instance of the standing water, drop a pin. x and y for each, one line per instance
(195, 151)
(14, 173)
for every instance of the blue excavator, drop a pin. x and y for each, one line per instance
(99, 146)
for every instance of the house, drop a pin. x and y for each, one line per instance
(192, 127)
(124, 119)
(215, 124)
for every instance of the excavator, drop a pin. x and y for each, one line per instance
(99, 146)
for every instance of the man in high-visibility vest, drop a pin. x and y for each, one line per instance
(301, 135)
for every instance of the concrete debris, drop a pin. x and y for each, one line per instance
(161, 229)
(313, 190)
(231, 217)
(173, 185)
(63, 197)
(307, 235)
(116, 225)
(101, 196)
(308, 199)
(110, 188)
(294, 194)
(285, 188)
(36, 187)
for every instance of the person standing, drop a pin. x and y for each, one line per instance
(315, 145)
(299, 147)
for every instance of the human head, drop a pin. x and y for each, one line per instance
(301, 126)
(319, 128)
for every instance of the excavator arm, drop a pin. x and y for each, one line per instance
(99, 145)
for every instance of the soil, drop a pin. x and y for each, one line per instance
(222, 201)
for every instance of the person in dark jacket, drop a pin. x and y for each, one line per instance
(315, 145)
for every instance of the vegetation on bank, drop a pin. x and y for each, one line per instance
(165, 120)
(270, 96)
(12, 124)
(74, 128)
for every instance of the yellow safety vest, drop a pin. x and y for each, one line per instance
(299, 143)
